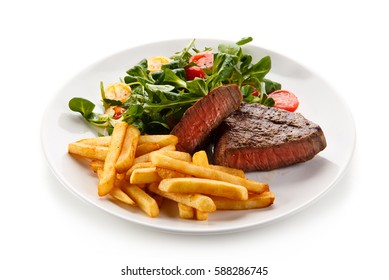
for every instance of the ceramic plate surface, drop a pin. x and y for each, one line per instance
(295, 187)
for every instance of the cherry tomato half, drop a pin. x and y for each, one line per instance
(115, 111)
(203, 59)
(194, 72)
(255, 91)
(284, 99)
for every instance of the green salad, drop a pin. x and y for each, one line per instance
(155, 93)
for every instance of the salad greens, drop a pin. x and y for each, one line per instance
(157, 100)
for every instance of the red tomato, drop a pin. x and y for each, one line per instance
(255, 91)
(284, 99)
(194, 72)
(203, 59)
(118, 112)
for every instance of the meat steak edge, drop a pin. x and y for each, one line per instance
(258, 138)
(197, 123)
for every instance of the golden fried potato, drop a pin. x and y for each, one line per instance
(96, 141)
(142, 199)
(146, 148)
(118, 194)
(254, 201)
(88, 151)
(161, 160)
(107, 178)
(200, 215)
(229, 170)
(144, 164)
(185, 211)
(203, 186)
(198, 201)
(127, 153)
(165, 173)
(145, 175)
(95, 165)
(161, 140)
(146, 157)
(200, 158)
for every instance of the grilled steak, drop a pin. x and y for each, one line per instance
(204, 116)
(256, 137)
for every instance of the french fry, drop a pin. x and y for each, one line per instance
(127, 153)
(146, 157)
(161, 140)
(143, 170)
(165, 173)
(200, 158)
(161, 160)
(200, 215)
(95, 165)
(185, 211)
(136, 166)
(142, 199)
(198, 201)
(116, 191)
(254, 201)
(106, 182)
(146, 148)
(175, 154)
(159, 199)
(120, 176)
(144, 176)
(203, 186)
(88, 151)
(229, 170)
(96, 141)
(118, 194)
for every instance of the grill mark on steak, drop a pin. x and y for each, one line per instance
(256, 137)
(204, 116)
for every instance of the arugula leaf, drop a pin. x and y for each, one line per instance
(198, 87)
(135, 110)
(244, 41)
(159, 99)
(85, 108)
(172, 105)
(222, 70)
(246, 90)
(110, 102)
(98, 119)
(271, 86)
(82, 106)
(172, 79)
(232, 49)
(174, 64)
(245, 62)
(183, 56)
(269, 102)
(261, 68)
(161, 88)
(139, 70)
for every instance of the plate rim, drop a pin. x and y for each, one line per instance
(193, 230)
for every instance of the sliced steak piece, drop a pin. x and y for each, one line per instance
(204, 116)
(256, 137)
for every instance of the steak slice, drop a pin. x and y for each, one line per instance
(256, 137)
(204, 116)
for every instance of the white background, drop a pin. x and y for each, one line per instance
(47, 233)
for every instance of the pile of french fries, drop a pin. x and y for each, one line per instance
(143, 170)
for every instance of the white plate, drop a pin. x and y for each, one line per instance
(295, 187)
